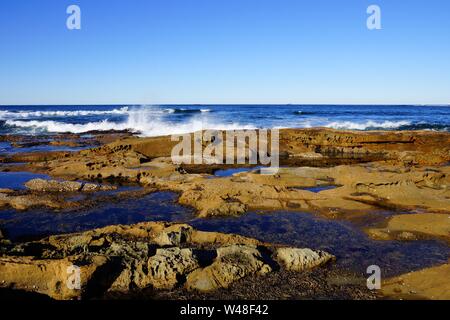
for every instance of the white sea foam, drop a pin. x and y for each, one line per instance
(366, 125)
(141, 120)
(4, 114)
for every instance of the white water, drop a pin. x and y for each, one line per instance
(142, 120)
(366, 125)
(35, 114)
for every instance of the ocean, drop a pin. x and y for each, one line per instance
(149, 120)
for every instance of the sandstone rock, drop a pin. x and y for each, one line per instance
(173, 235)
(228, 209)
(296, 259)
(50, 277)
(407, 236)
(232, 263)
(28, 201)
(123, 258)
(92, 187)
(53, 185)
(43, 185)
(163, 270)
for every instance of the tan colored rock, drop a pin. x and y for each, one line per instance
(163, 270)
(53, 185)
(232, 263)
(173, 235)
(49, 277)
(408, 226)
(24, 202)
(431, 283)
(43, 185)
(92, 187)
(390, 181)
(129, 261)
(296, 259)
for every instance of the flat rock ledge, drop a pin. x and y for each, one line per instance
(43, 185)
(157, 255)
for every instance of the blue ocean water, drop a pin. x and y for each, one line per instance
(170, 119)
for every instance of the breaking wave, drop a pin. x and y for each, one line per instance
(370, 124)
(139, 121)
(59, 113)
(183, 110)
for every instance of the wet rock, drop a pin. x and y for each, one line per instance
(232, 263)
(296, 259)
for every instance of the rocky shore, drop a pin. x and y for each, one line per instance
(129, 259)
(343, 175)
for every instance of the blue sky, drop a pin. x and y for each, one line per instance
(224, 51)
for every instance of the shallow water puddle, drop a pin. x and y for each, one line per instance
(158, 206)
(318, 189)
(7, 149)
(353, 249)
(229, 172)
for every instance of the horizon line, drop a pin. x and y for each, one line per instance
(228, 104)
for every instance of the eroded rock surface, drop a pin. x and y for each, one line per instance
(296, 259)
(232, 263)
(127, 258)
(405, 172)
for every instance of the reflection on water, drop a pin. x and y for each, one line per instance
(7, 149)
(353, 249)
(317, 189)
(159, 206)
(231, 171)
